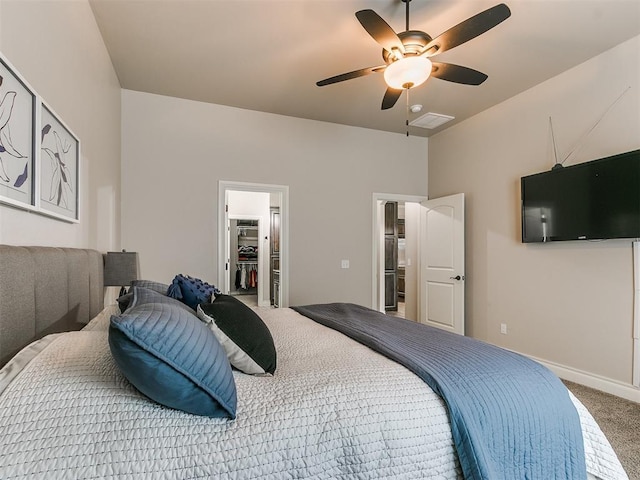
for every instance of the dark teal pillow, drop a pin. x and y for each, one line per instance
(174, 359)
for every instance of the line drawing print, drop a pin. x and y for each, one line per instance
(6, 144)
(61, 186)
(58, 171)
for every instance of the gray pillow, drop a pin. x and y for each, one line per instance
(142, 296)
(151, 285)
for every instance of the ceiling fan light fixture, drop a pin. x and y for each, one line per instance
(408, 72)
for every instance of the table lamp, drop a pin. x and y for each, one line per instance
(120, 268)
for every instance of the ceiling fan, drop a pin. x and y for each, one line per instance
(406, 54)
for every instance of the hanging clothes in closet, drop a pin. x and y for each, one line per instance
(238, 281)
(246, 255)
(253, 278)
(246, 276)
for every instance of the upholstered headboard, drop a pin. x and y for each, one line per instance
(45, 290)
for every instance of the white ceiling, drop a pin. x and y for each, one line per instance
(266, 55)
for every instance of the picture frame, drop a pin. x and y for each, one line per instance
(58, 172)
(18, 170)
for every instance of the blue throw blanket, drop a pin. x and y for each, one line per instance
(511, 418)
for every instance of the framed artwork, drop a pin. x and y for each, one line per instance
(17, 139)
(59, 168)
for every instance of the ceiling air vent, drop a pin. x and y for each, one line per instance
(431, 120)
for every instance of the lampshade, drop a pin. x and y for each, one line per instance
(407, 72)
(120, 268)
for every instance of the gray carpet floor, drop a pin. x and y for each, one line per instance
(619, 419)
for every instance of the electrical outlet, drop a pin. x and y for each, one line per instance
(503, 328)
(345, 263)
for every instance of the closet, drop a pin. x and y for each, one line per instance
(244, 257)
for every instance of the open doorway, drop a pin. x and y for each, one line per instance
(434, 265)
(253, 242)
(396, 226)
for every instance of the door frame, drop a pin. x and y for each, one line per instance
(377, 263)
(224, 186)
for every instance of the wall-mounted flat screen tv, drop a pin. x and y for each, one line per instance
(599, 199)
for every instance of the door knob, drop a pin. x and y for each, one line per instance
(457, 277)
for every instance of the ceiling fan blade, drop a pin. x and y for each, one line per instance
(390, 98)
(348, 76)
(457, 73)
(380, 30)
(469, 29)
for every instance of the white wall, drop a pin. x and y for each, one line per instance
(56, 46)
(569, 303)
(175, 151)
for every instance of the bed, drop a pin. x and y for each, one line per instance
(333, 408)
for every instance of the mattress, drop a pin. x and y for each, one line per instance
(333, 409)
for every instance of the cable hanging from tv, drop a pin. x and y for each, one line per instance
(580, 142)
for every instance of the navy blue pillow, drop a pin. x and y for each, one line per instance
(174, 359)
(191, 291)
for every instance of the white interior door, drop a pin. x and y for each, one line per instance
(442, 263)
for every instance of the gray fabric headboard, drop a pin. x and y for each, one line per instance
(45, 290)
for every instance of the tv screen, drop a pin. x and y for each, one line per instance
(593, 200)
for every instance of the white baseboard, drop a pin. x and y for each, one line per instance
(614, 387)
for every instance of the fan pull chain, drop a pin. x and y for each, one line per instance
(407, 110)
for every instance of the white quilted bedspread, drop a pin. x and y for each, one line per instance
(334, 409)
